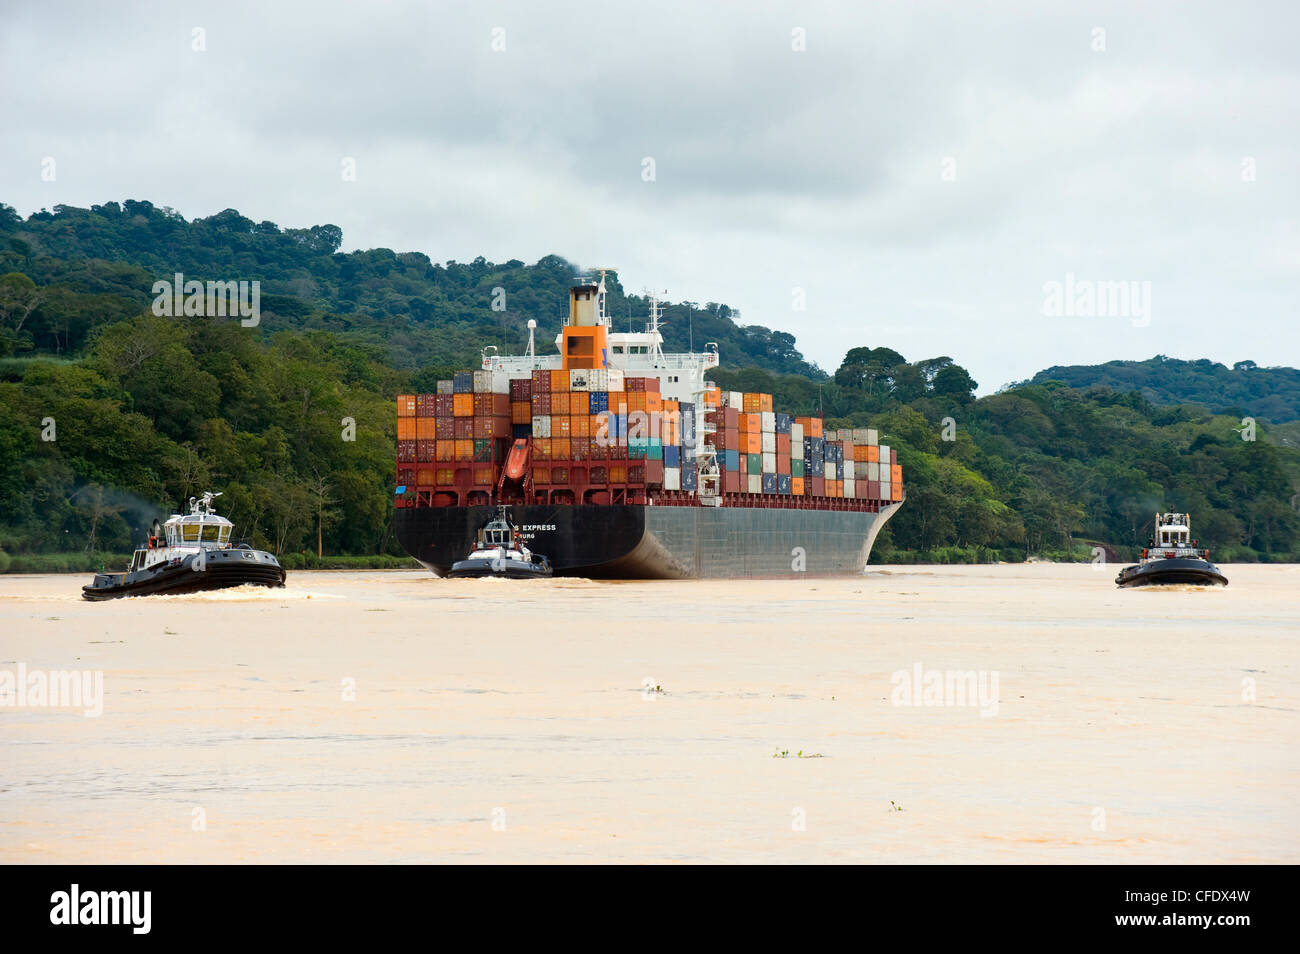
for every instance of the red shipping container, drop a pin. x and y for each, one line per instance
(873, 490)
(443, 405)
(597, 450)
(521, 389)
(731, 482)
(424, 405)
(424, 451)
(541, 383)
(444, 428)
(783, 445)
(405, 475)
(406, 451)
(816, 486)
(600, 475)
(579, 448)
(654, 472)
(559, 475)
(463, 428)
(782, 463)
(542, 404)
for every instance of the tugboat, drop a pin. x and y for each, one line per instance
(499, 553)
(1172, 557)
(187, 554)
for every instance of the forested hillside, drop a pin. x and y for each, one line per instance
(110, 415)
(1271, 394)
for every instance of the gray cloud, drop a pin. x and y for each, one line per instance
(775, 169)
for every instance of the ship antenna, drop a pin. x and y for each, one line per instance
(532, 350)
(656, 339)
(601, 315)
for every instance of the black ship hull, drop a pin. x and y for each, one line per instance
(1172, 571)
(221, 569)
(658, 542)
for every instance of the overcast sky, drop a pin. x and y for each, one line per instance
(920, 171)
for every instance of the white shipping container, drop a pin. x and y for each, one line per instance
(615, 382)
(873, 470)
(860, 436)
(884, 455)
(672, 478)
(735, 399)
(796, 437)
(769, 463)
(873, 436)
(542, 426)
(767, 422)
(769, 443)
(482, 382)
(849, 486)
(755, 484)
(578, 378)
(830, 471)
(598, 379)
(796, 449)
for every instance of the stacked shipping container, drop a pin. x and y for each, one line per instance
(598, 428)
(763, 452)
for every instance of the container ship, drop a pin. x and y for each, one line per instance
(617, 460)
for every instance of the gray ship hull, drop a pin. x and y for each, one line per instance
(659, 542)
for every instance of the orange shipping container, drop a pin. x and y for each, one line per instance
(464, 450)
(895, 491)
(579, 403)
(753, 442)
(444, 477)
(618, 473)
(484, 475)
(521, 412)
(406, 405)
(812, 426)
(861, 452)
(713, 396)
(559, 381)
(462, 405)
(749, 401)
(541, 448)
(765, 402)
(444, 450)
(541, 475)
(424, 429)
(561, 426)
(895, 474)
(426, 477)
(559, 448)
(796, 486)
(406, 428)
(873, 453)
(560, 401)
(579, 425)
(654, 404)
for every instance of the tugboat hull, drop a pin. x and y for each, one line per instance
(220, 569)
(1179, 570)
(503, 569)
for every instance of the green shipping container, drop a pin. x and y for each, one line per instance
(755, 464)
(483, 451)
(796, 468)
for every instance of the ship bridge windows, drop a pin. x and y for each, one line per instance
(212, 533)
(190, 532)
